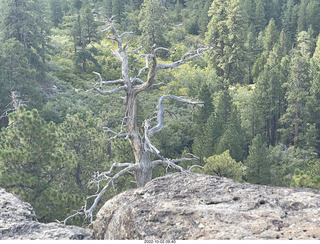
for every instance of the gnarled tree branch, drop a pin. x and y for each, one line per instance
(159, 126)
(112, 82)
(100, 91)
(104, 176)
(185, 58)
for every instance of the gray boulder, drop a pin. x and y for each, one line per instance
(18, 222)
(196, 206)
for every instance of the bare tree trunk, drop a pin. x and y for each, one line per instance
(144, 172)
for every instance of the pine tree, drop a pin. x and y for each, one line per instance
(274, 10)
(259, 16)
(107, 4)
(135, 4)
(202, 143)
(24, 20)
(84, 32)
(30, 162)
(258, 163)
(297, 89)
(290, 19)
(226, 32)
(177, 11)
(56, 12)
(271, 36)
(302, 18)
(233, 137)
(314, 98)
(204, 18)
(77, 4)
(249, 7)
(206, 138)
(18, 74)
(253, 52)
(224, 107)
(268, 97)
(84, 142)
(230, 135)
(313, 15)
(202, 114)
(118, 8)
(284, 42)
(152, 25)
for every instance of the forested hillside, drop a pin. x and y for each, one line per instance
(260, 84)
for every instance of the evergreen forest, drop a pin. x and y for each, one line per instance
(260, 84)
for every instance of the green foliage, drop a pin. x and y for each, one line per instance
(297, 88)
(152, 25)
(268, 97)
(305, 179)
(285, 160)
(226, 32)
(257, 163)
(26, 22)
(290, 18)
(202, 114)
(56, 12)
(31, 161)
(225, 166)
(18, 74)
(314, 98)
(175, 138)
(229, 130)
(270, 36)
(259, 19)
(84, 32)
(83, 141)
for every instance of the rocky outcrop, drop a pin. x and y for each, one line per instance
(196, 206)
(18, 222)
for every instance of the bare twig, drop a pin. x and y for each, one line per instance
(128, 167)
(147, 57)
(104, 176)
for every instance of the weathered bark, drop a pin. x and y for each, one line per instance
(143, 173)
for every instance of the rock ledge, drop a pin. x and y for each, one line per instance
(196, 206)
(18, 222)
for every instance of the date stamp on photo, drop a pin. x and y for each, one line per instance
(159, 241)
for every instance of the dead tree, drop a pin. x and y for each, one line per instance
(140, 142)
(13, 105)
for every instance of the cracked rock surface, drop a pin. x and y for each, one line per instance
(18, 222)
(196, 206)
